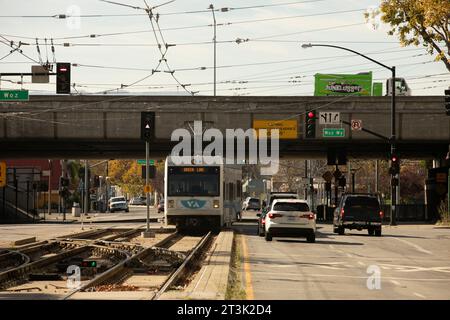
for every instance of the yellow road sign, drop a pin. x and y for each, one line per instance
(287, 128)
(147, 189)
(3, 175)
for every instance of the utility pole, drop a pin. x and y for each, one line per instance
(107, 186)
(49, 186)
(215, 46)
(86, 187)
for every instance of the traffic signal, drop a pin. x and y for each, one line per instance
(64, 182)
(63, 78)
(151, 172)
(89, 264)
(447, 102)
(394, 182)
(310, 125)
(147, 125)
(395, 165)
(342, 182)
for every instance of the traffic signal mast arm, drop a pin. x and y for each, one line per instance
(369, 131)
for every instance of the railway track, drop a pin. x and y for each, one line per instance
(45, 260)
(158, 267)
(122, 259)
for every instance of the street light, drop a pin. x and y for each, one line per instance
(211, 7)
(393, 133)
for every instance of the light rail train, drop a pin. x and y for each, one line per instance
(202, 196)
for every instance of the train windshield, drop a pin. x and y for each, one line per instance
(194, 181)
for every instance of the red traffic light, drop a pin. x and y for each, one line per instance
(394, 159)
(311, 115)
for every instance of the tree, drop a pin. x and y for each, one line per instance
(127, 175)
(416, 22)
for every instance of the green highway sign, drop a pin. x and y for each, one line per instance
(142, 162)
(14, 95)
(333, 132)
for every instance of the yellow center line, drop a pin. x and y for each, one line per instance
(248, 275)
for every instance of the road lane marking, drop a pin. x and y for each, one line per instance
(395, 282)
(248, 275)
(417, 247)
(349, 255)
(419, 295)
(361, 263)
(337, 276)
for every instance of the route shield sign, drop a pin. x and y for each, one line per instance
(333, 132)
(356, 125)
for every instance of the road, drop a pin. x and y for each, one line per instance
(413, 263)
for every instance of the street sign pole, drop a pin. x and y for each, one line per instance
(147, 233)
(146, 183)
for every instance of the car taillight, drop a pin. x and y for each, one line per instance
(263, 221)
(309, 216)
(342, 212)
(274, 215)
(381, 214)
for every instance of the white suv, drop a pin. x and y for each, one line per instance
(290, 218)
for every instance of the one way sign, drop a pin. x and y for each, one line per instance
(329, 118)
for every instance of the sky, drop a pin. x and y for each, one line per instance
(258, 51)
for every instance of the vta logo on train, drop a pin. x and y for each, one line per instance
(193, 203)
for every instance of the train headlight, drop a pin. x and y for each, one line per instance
(216, 204)
(171, 203)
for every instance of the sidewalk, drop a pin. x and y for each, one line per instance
(97, 217)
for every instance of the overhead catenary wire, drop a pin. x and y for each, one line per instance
(223, 9)
(223, 24)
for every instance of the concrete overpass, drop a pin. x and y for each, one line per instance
(109, 126)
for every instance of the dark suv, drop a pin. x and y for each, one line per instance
(358, 211)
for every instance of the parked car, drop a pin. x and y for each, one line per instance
(358, 211)
(118, 204)
(261, 222)
(290, 218)
(138, 201)
(251, 204)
